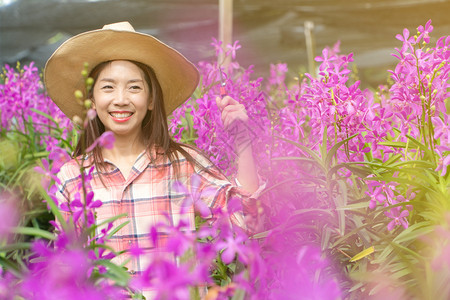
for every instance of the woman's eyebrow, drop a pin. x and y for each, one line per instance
(135, 80)
(129, 81)
(107, 80)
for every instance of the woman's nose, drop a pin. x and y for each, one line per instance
(121, 98)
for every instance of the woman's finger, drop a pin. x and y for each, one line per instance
(225, 101)
(234, 119)
(234, 112)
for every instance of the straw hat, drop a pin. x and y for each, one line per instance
(177, 76)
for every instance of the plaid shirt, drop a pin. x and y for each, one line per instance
(148, 196)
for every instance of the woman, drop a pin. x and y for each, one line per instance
(138, 80)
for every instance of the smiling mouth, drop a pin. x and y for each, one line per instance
(121, 115)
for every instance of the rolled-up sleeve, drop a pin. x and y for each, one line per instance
(226, 192)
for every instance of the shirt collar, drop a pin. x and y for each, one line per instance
(140, 164)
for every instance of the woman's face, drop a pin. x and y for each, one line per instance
(122, 98)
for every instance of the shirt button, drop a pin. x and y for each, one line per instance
(132, 272)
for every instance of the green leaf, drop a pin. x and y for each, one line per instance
(341, 200)
(194, 293)
(317, 211)
(41, 154)
(358, 168)
(392, 160)
(420, 145)
(53, 207)
(19, 173)
(362, 254)
(389, 178)
(12, 268)
(239, 294)
(414, 231)
(198, 91)
(393, 144)
(349, 234)
(406, 236)
(334, 149)
(34, 232)
(355, 287)
(118, 274)
(291, 181)
(104, 246)
(107, 221)
(325, 237)
(415, 164)
(354, 206)
(16, 246)
(45, 115)
(261, 235)
(117, 229)
(324, 146)
(305, 149)
(400, 273)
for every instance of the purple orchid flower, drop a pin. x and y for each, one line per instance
(49, 173)
(424, 32)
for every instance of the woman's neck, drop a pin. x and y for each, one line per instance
(124, 148)
(124, 153)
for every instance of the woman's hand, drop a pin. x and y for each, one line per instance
(232, 111)
(234, 119)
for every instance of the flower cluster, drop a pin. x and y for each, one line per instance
(207, 129)
(416, 102)
(331, 108)
(26, 108)
(64, 272)
(198, 256)
(420, 88)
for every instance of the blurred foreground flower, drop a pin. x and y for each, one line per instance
(64, 274)
(9, 214)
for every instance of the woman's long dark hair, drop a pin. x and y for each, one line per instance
(155, 130)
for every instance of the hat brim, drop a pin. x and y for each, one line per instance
(177, 76)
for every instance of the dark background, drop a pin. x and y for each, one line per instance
(269, 31)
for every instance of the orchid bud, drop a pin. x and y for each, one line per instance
(433, 109)
(87, 103)
(77, 120)
(422, 97)
(84, 73)
(91, 114)
(89, 81)
(78, 94)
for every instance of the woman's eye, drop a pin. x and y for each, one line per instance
(136, 87)
(106, 87)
